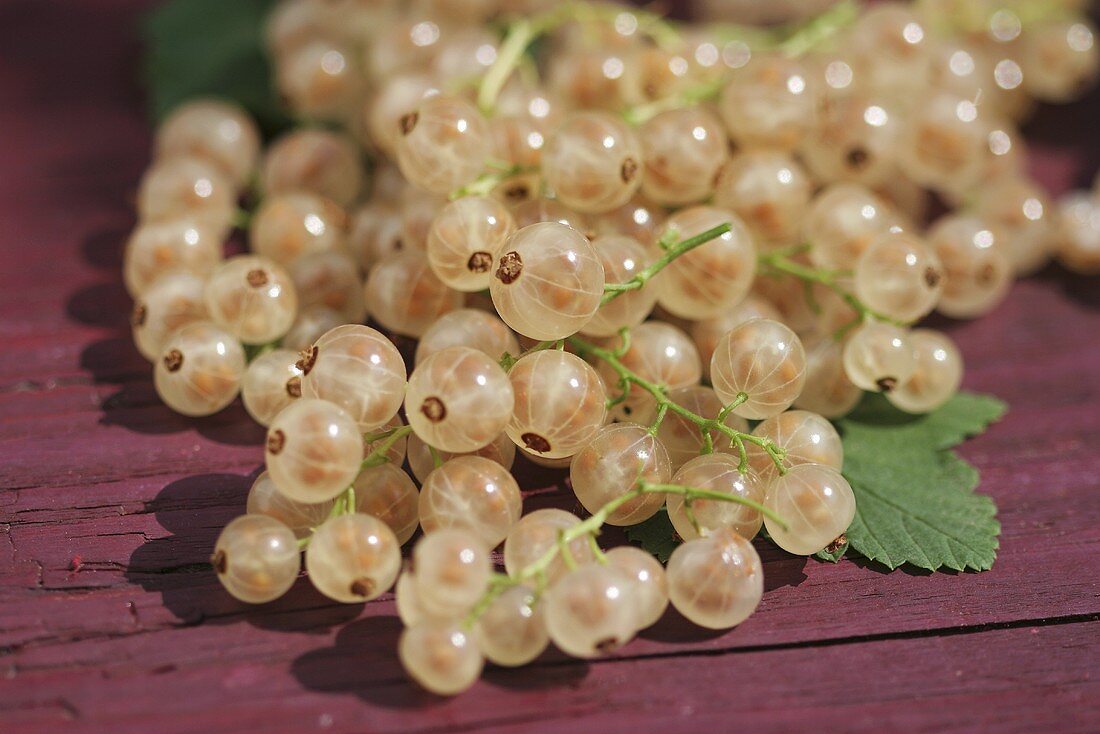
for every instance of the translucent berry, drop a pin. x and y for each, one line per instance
(316, 161)
(444, 144)
(443, 657)
(900, 276)
(878, 356)
(828, 391)
(547, 281)
(452, 570)
(842, 222)
(659, 353)
(358, 369)
(764, 360)
(616, 459)
(622, 258)
(468, 327)
(474, 493)
(253, 298)
(707, 280)
(387, 493)
(214, 130)
(769, 191)
(319, 79)
(683, 150)
(459, 399)
(512, 631)
(187, 187)
(716, 473)
(330, 279)
(290, 225)
(405, 296)
(463, 238)
(313, 450)
(977, 271)
(592, 611)
(938, 373)
(817, 504)
(256, 558)
(311, 325)
(271, 382)
(593, 162)
(156, 249)
(353, 558)
(264, 498)
(943, 143)
(707, 332)
(1077, 234)
(537, 532)
(200, 369)
(422, 461)
(768, 103)
(715, 581)
(173, 301)
(1059, 59)
(1019, 211)
(680, 436)
(560, 403)
(807, 438)
(648, 575)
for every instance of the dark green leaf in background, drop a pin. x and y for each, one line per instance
(211, 48)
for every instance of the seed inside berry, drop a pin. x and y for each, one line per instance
(535, 442)
(276, 440)
(479, 262)
(629, 170)
(433, 409)
(173, 360)
(257, 278)
(362, 587)
(509, 268)
(306, 359)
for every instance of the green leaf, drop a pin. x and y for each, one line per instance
(967, 414)
(915, 499)
(211, 48)
(655, 535)
(832, 556)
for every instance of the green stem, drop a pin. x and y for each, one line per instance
(520, 35)
(484, 184)
(655, 426)
(795, 40)
(629, 377)
(507, 361)
(378, 455)
(525, 31)
(816, 31)
(703, 92)
(437, 459)
(779, 263)
(614, 290)
(535, 573)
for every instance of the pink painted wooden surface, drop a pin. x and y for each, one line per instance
(110, 619)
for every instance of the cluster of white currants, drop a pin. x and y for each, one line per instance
(575, 259)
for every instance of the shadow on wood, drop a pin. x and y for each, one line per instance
(195, 510)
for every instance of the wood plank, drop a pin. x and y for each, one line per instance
(110, 619)
(1024, 679)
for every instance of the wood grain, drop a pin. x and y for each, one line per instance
(111, 620)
